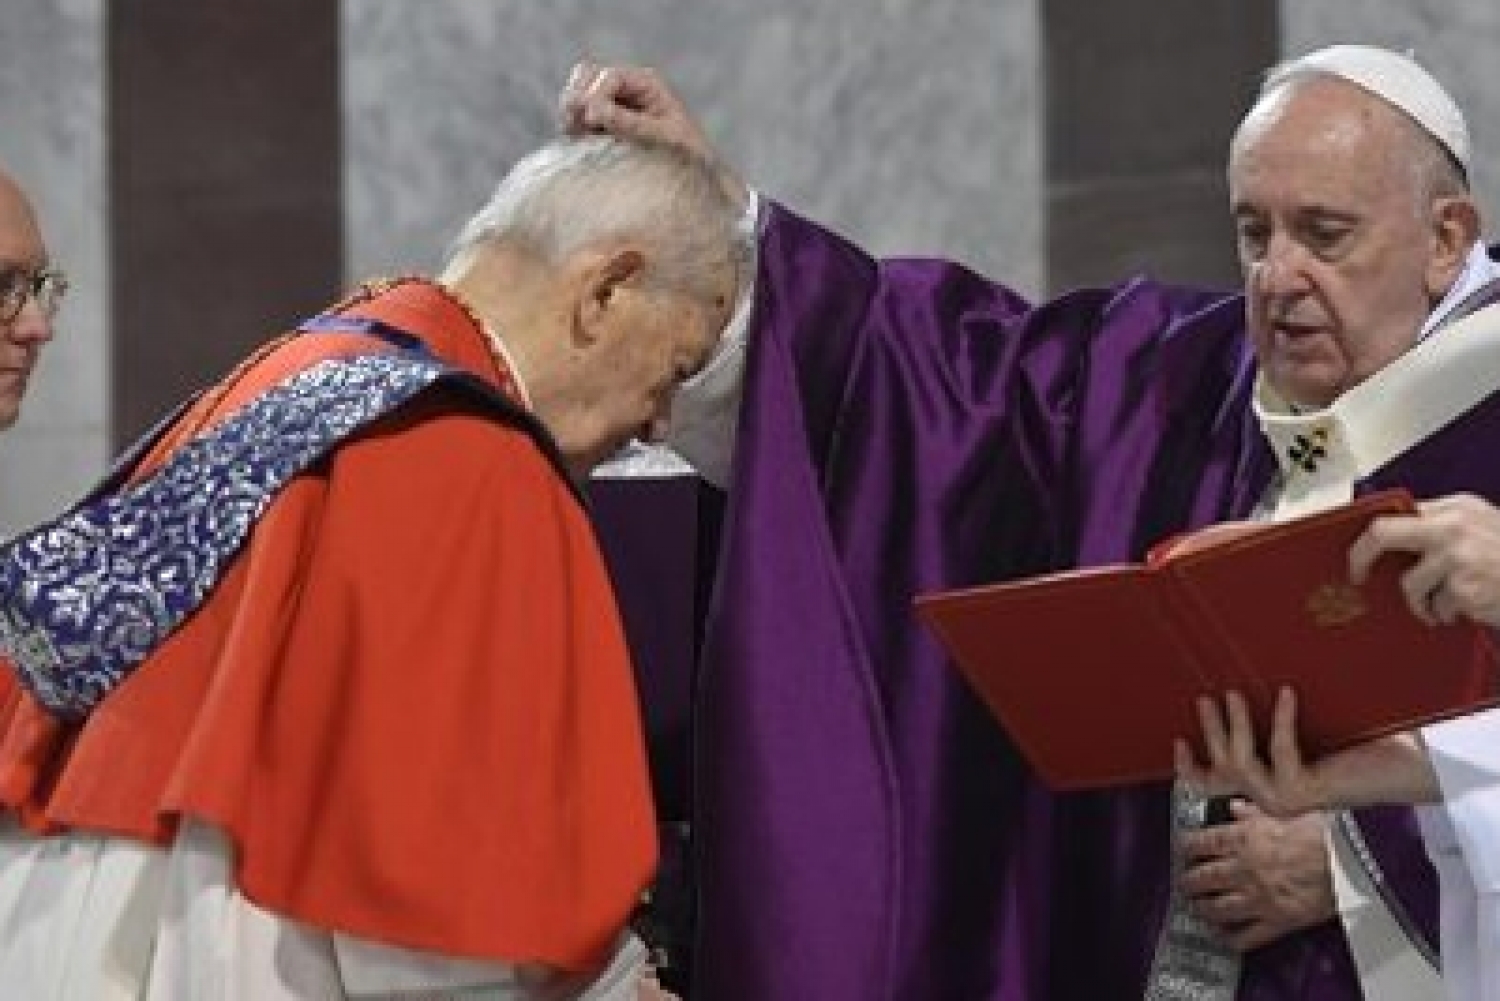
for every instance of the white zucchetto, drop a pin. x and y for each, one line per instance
(1394, 78)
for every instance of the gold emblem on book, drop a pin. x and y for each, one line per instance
(1335, 604)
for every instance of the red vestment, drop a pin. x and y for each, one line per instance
(408, 701)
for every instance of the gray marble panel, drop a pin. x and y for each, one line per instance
(1457, 40)
(1172, 226)
(911, 125)
(52, 140)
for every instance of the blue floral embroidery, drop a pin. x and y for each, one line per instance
(85, 598)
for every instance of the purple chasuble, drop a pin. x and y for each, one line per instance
(863, 829)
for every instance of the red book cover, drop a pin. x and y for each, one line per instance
(1094, 672)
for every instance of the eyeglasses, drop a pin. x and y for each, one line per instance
(46, 287)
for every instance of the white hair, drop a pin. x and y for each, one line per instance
(572, 193)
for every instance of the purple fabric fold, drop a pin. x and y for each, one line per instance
(863, 828)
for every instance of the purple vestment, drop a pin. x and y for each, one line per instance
(863, 830)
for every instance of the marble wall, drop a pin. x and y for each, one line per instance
(916, 126)
(51, 139)
(1456, 41)
(911, 125)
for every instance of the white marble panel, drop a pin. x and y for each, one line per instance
(914, 126)
(52, 140)
(1457, 40)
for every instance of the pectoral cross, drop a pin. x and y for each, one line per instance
(1307, 450)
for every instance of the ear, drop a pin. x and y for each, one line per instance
(1455, 227)
(608, 279)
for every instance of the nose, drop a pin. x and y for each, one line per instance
(1279, 271)
(32, 325)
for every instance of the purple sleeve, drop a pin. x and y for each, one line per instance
(908, 425)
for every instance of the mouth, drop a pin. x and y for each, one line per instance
(1295, 336)
(1297, 328)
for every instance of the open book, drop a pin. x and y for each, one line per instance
(1094, 672)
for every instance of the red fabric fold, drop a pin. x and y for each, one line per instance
(408, 702)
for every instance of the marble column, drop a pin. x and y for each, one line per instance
(225, 163)
(1140, 110)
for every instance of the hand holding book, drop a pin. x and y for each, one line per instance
(1272, 772)
(1094, 673)
(1455, 575)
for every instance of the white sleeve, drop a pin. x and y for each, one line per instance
(213, 942)
(1487, 949)
(1465, 754)
(706, 408)
(1458, 902)
(371, 971)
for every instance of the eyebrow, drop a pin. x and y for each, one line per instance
(25, 267)
(1243, 210)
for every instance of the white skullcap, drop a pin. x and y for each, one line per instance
(1395, 79)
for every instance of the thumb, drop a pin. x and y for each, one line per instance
(1244, 809)
(617, 120)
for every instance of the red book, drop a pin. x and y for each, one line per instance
(1094, 672)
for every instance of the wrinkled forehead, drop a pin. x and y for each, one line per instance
(20, 239)
(1317, 108)
(1323, 127)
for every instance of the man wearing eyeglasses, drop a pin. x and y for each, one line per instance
(29, 295)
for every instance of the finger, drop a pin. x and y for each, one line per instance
(1241, 735)
(1420, 583)
(580, 77)
(1391, 533)
(570, 100)
(1249, 936)
(1244, 809)
(1186, 766)
(589, 90)
(1363, 554)
(1443, 606)
(1270, 788)
(1215, 738)
(626, 123)
(1210, 878)
(1208, 843)
(603, 82)
(581, 80)
(638, 88)
(1225, 910)
(582, 72)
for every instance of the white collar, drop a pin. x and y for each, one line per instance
(1479, 271)
(1322, 453)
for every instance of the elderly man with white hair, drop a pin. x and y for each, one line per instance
(323, 693)
(907, 426)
